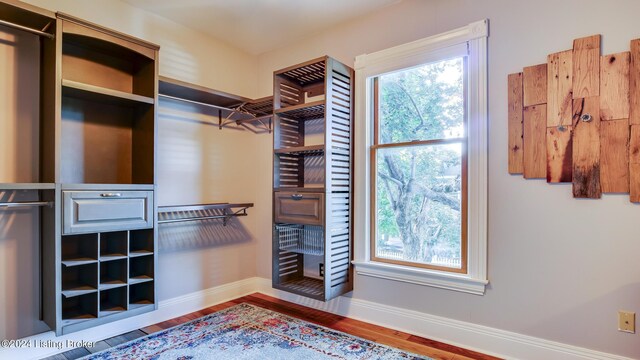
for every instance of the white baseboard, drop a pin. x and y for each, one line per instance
(167, 309)
(470, 336)
(480, 338)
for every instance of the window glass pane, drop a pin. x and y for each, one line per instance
(422, 103)
(419, 201)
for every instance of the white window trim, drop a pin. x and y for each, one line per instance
(409, 55)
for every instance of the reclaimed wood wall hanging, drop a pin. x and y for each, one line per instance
(576, 119)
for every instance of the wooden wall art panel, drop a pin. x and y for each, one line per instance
(515, 124)
(559, 154)
(534, 79)
(576, 119)
(559, 88)
(614, 156)
(586, 148)
(586, 67)
(535, 157)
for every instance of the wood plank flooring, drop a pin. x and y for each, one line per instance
(379, 334)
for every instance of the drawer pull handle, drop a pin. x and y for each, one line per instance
(110, 195)
(296, 197)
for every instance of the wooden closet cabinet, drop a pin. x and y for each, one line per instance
(100, 265)
(312, 179)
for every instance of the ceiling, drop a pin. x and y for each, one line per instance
(257, 26)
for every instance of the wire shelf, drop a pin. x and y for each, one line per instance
(224, 211)
(301, 239)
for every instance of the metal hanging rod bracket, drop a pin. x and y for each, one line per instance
(226, 118)
(28, 29)
(259, 120)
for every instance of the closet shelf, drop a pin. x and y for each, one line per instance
(231, 109)
(101, 94)
(78, 289)
(301, 150)
(140, 279)
(111, 284)
(309, 111)
(310, 72)
(138, 253)
(306, 286)
(300, 189)
(110, 309)
(28, 18)
(27, 186)
(79, 261)
(111, 257)
(76, 316)
(224, 211)
(140, 304)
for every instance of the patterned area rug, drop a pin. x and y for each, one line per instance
(248, 332)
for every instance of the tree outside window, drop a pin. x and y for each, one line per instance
(419, 166)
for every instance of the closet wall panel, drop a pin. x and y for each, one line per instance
(19, 230)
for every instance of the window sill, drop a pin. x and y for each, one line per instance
(438, 279)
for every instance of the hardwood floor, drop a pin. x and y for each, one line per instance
(379, 334)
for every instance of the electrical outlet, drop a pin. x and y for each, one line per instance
(321, 269)
(627, 321)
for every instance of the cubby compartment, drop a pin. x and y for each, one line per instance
(113, 245)
(79, 280)
(142, 294)
(141, 269)
(79, 249)
(109, 87)
(299, 151)
(79, 308)
(105, 64)
(113, 274)
(141, 242)
(113, 301)
(106, 142)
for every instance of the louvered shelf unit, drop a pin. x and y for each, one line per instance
(312, 198)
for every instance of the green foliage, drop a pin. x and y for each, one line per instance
(418, 191)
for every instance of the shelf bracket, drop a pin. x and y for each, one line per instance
(240, 212)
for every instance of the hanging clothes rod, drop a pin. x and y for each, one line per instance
(24, 204)
(28, 29)
(226, 217)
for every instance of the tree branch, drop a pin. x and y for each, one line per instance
(393, 169)
(392, 199)
(387, 177)
(441, 198)
(415, 106)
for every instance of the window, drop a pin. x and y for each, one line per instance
(421, 193)
(418, 168)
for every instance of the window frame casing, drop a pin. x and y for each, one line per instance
(473, 37)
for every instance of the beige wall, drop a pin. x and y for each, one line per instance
(559, 267)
